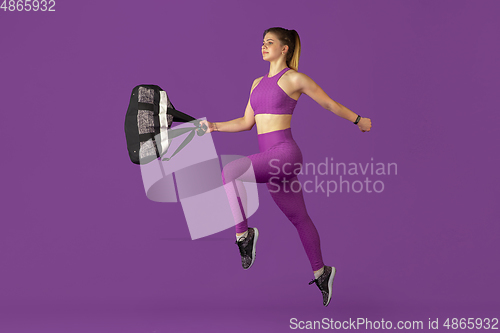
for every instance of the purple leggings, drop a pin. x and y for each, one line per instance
(276, 162)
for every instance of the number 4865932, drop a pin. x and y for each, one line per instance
(28, 5)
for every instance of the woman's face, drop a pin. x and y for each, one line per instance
(271, 47)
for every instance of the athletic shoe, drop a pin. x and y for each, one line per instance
(325, 282)
(247, 247)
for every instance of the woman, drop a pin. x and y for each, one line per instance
(272, 100)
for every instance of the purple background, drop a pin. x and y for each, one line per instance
(82, 249)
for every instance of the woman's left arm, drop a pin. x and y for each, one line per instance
(307, 86)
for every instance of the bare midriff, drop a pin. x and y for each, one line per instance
(272, 122)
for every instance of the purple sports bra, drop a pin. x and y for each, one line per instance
(268, 97)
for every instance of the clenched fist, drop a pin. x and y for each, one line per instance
(365, 124)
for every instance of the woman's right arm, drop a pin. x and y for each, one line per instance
(244, 123)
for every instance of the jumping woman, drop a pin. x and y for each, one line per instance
(272, 100)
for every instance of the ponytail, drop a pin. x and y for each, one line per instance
(293, 61)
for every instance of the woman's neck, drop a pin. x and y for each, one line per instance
(275, 68)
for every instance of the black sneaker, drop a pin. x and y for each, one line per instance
(325, 282)
(247, 247)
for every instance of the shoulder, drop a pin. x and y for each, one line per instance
(296, 76)
(298, 80)
(256, 81)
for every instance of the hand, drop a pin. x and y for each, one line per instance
(210, 126)
(365, 124)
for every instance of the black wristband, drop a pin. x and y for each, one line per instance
(357, 120)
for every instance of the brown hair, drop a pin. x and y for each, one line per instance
(290, 38)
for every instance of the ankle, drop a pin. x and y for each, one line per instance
(240, 235)
(319, 272)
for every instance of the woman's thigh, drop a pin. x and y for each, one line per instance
(283, 161)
